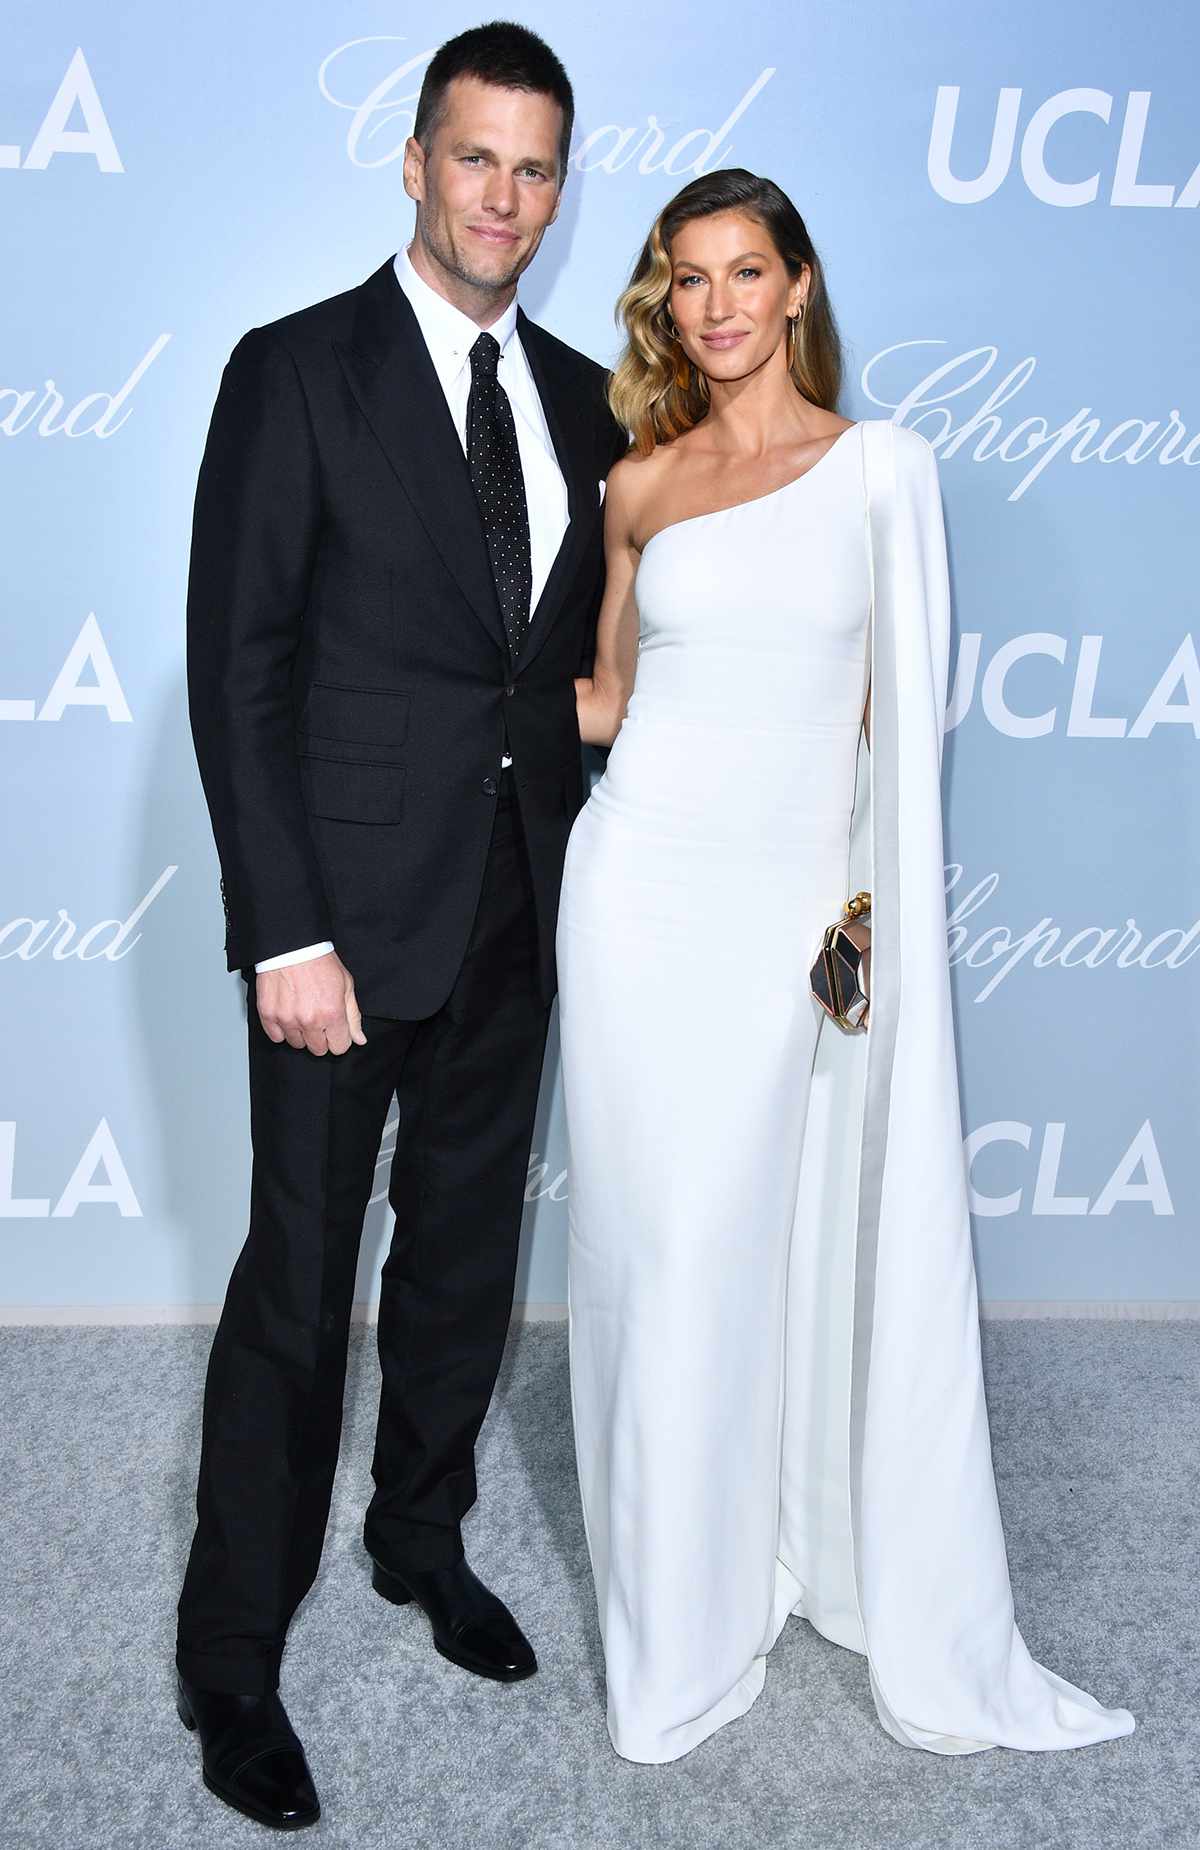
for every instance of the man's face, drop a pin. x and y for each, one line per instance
(489, 185)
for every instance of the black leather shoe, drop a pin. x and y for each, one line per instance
(252, 1756)
(471, 1626)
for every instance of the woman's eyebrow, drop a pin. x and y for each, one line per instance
(761, 255)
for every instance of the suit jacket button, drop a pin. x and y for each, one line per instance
(490, 786)
(510, 690)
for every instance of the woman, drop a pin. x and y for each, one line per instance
(774, 1330)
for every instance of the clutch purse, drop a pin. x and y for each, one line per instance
(837, 974)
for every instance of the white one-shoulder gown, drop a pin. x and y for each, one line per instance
(699, 878)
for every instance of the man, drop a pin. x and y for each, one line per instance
(396, 569)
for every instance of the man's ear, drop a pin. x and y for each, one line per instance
(414, 168)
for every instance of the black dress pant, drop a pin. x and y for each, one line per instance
(467, 1084)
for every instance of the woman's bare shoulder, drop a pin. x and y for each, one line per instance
(633, 482)
(633, 471)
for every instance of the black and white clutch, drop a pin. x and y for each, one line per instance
(837, 976)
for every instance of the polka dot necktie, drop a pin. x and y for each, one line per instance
(494, 462)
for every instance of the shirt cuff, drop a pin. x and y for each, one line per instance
(294, 957)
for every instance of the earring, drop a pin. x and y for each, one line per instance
(793, 322)
(683, 366)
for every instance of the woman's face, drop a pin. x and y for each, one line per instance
(731, 295)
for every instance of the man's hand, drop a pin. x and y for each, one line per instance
(311, 1005)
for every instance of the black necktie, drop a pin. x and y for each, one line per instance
(495, 465)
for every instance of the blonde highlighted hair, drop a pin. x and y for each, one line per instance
(654, 391)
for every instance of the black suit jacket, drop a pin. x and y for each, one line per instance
(348, 678)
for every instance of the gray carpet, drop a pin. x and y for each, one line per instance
(1097, 1441)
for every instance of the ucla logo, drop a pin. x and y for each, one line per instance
(75, 98)
(99, 1179)
(1137, 1177)
(1173, 700)
(1052, 185)
(86, 679)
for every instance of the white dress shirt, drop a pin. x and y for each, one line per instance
(449, 335)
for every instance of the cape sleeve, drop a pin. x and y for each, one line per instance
(920, 516)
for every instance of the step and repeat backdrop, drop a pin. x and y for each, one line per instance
(1007, 208)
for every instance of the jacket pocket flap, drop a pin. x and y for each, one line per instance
(350, 792)
(356, 715)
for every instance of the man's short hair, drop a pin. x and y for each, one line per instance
(501, 53)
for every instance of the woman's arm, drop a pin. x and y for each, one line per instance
(602, 696)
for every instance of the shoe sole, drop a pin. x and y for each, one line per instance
(397, 1594)
(236, 1804)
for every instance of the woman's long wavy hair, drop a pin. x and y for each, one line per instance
(655, 392)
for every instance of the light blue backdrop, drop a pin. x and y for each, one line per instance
(1006, 204)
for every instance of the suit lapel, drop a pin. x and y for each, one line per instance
(392, 377)
(558, 390)
(389, 371)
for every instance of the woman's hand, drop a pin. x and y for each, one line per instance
(602, 696)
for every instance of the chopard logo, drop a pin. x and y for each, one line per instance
(382, 108)
(108, 938)
(1033, 439)
(45, 412)
(1000, 949)
(540, 1185)
(1125, 187)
